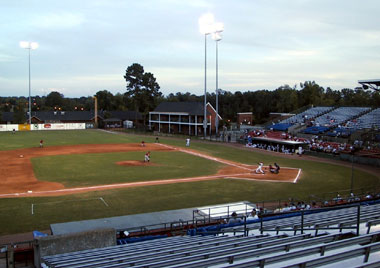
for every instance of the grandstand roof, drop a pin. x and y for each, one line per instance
(371, 83)
(286, 142)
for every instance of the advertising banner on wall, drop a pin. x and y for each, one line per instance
(9, 127)
(23, 127)
(47, 126)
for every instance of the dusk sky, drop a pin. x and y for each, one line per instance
(86, 46)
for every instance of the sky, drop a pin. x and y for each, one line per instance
(86, 46)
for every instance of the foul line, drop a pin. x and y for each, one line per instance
(227, 162)
(298, 175)
(120, 185)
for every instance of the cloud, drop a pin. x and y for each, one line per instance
(60, 20)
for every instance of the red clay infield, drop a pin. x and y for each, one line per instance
(17, 176)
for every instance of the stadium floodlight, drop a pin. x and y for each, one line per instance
(29, 46)
(218, 27)
(206, 27)
(217, 37)
(206, 24)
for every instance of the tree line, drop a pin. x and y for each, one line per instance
(142, 94)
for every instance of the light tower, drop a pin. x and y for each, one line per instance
(206, 27)
(217, 36)
(29, 46)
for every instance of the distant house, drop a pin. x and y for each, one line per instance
(245, 118)
(42, 117)
(182, 118)
(117, 119)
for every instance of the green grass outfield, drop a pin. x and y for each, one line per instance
(100, 169)
(16, 213)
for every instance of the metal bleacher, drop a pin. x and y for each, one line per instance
(309, 113)
(255, 248)
(340, 115)
(238, 251)
(339, 219)
(369, 120)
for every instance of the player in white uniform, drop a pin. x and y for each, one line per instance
(188, 142)
(147, 157)
(259, 169)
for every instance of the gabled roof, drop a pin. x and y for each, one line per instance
(84, 115)
(191, 108)
(64, 115)
(125, 115)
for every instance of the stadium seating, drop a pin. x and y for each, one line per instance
(340, 132)
(316, 130)
(281, 250)
(369, 120)
(280, 126)
(312, 219)
(234, 251)
(340, 116)
(306, 115)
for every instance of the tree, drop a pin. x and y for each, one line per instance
(142, 88)
(105, 100)
(311, 93)
(54, 100)
(19, 115)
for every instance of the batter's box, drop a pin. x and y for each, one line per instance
(285, 175)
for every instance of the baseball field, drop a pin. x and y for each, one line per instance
(90, 174)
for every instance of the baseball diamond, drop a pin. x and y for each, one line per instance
(21, 180)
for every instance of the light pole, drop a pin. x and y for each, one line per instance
(206, 27)
(29, 46)
(219, 27)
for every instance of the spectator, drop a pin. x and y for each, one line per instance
(234, 218)
(253, 215)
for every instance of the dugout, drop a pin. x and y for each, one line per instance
(288, 144)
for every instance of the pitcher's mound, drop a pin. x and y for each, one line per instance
(134, 163)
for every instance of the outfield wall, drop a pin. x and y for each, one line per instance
(46, 126)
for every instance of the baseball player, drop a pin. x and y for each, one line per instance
(277, 168)
(188, 142)
(259, 169)
(147, 157)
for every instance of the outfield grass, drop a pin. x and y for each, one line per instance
(98, 169)
(11, 141)
(317, 178)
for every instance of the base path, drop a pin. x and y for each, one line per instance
(18, 179)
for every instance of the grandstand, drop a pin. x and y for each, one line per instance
(341, 132)
(369, 120)
(299, 245)
(306, 115)
(340, 116)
